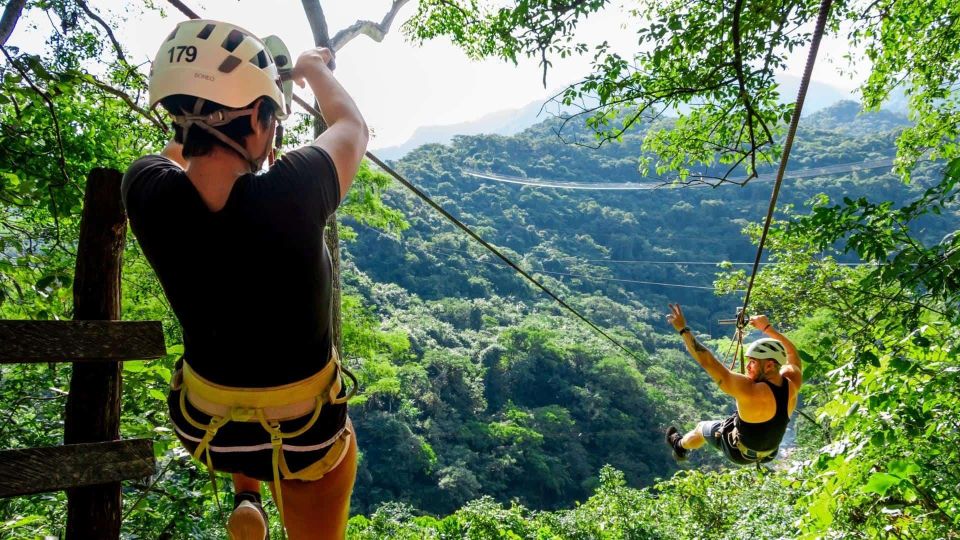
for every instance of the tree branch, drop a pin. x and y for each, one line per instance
(62, 161)
(11, 14)
(184, 9)
(113, 39)
(318, 22)
(129, 101)
(738, 64)
(370, 29)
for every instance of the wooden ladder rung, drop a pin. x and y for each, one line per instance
(55, 468)
(80, 341)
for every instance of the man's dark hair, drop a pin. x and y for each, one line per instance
(200, 142)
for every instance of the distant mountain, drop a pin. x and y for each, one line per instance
(506, 122)
(848, 117)
(512, 121)
(819, 95)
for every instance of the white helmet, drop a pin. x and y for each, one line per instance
(219, 62)
(767, 349)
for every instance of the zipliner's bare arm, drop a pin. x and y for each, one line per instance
(794, 368)
(733, 384)
(346, 137)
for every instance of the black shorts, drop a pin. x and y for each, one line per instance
(719, 434)
(245, 447)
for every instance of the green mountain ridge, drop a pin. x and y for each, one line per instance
(498, 392)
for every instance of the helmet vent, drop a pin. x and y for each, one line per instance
(229, 64)
(234, 39)
(207, 30)
(282, 60)
(173, 34)
(261, 60)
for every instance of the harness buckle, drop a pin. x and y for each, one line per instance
(243, 414)
(276, 436)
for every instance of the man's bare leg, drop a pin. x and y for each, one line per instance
(243, 483)
(694, 439)
(319, 510)
(248, 521)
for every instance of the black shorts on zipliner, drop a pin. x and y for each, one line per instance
(718, 434)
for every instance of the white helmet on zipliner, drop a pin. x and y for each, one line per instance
(219, 62)
(767, 349)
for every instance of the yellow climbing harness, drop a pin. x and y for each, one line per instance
(268, 406)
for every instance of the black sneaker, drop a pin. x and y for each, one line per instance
(248, 520)
(673, 439)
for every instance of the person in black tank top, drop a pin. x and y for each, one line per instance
(241, 258)
(765, 396)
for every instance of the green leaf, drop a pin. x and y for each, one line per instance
(45, 282)
(22, 521)
(903, 468)
(953, 168)
(134, 367)
(880, 483)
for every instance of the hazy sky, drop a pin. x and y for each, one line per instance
(397, 85)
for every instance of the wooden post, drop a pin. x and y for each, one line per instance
(93, 406)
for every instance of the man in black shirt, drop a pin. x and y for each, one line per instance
(242, 260)
(766, 396)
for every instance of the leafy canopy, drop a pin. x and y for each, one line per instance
(713, 64)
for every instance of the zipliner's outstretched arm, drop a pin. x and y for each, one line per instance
(733, 384)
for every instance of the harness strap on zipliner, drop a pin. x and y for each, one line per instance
(754, 455)
(276, 441)
(203, 448)
(258, 400)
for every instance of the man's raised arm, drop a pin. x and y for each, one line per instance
(760, 322)
(347, 134)
(730, 383)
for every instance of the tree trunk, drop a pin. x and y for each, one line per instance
(321, 38)
(332, 237)
(93, 406)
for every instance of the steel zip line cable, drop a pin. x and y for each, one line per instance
(810, 172)
(424, 249)
(787, 145)
(426, 198)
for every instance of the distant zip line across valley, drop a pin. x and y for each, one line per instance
(499, 264)
(625, 186)
(423, 248)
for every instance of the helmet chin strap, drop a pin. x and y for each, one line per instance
(209, 122)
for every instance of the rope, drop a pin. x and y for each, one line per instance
(426, 198)
(794, 122)
(781, 170)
